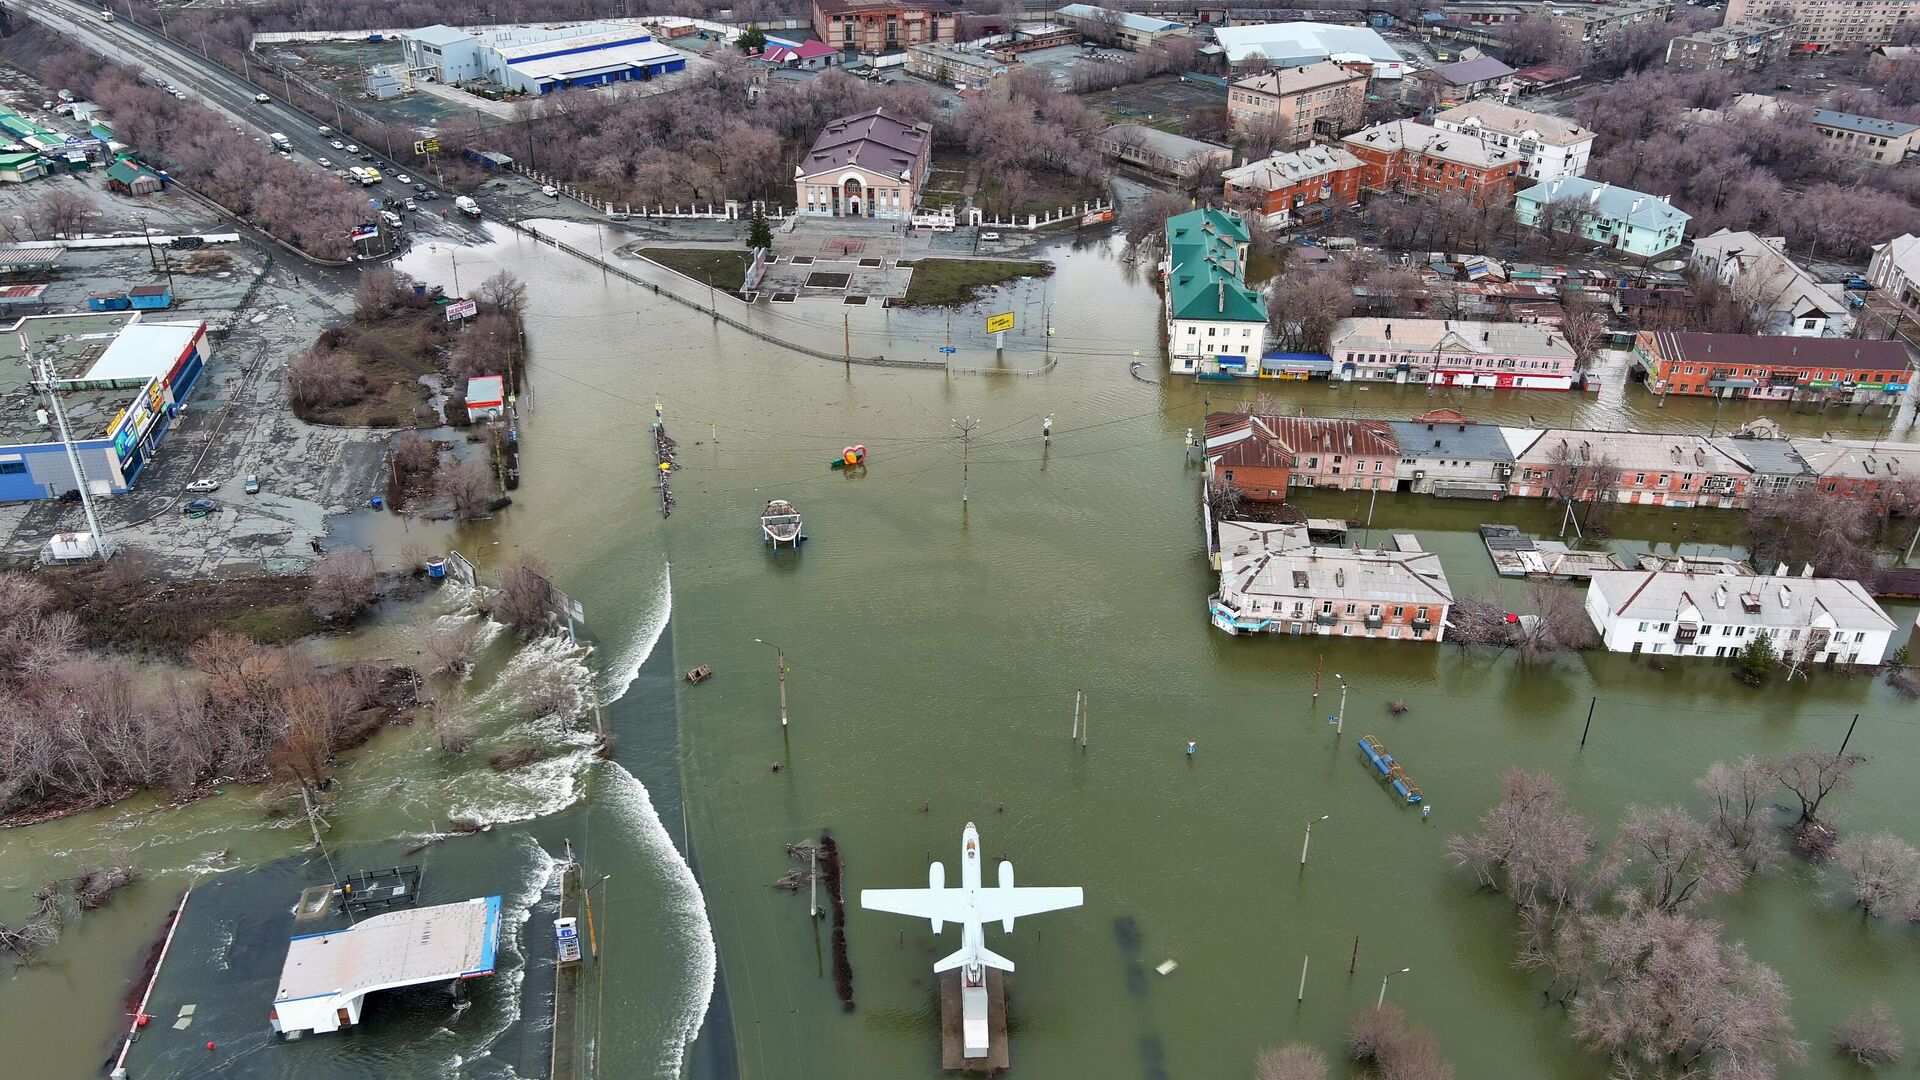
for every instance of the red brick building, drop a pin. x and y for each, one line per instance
(1304, 184)
(1403, 156)
(867, 27)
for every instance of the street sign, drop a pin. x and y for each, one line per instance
(462, 309)
(948, 350)
(1000, 323)
(422, 147)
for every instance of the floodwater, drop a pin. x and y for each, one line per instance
(935, 649)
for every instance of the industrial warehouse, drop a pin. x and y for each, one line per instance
(121, 381)
(538, 60)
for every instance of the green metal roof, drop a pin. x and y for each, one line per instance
(126, 170)
(1204, 268)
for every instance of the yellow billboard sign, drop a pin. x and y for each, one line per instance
(1000, 323)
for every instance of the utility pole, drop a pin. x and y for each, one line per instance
(846, 339)
(1848, 739)
(1046, 430)
(965, 428)
(1589, 727)
(48, 385)
(1340, 718)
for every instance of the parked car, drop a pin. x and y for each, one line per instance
(403, 178)
(252, 484)
(204, 485)
(989, 236)
(337, 145)
(1860, 284)
(200, 508)
(550, 191)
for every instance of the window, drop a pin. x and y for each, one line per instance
(1399, 611)
(12, 468)
(1351, 608)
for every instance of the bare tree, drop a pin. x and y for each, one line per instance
(376, 295)
(1381, 1037)
(1304, 307)
(1529, 846)
(1556, 621)
(1870, 1036)
(63, 214)
(521, 602)
(505, 293)
(451, 647)
(469, 487)
(1295, 1061)
(1807, 526)
(1880, 870)
(344, 583)
(322, 376)
(414, 458)
(1812, 775)
(1738, 796)
(1673, 857)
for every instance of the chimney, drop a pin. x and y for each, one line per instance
(1220, 289)
(1720, 596)
(1389, 331)
(1806, 570)
(1340, 578)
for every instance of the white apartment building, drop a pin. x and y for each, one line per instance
(1833, 24)
(1686, 613)
(1759, 272)
(1551, 146)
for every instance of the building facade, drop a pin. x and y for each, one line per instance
(1122, 28)
(1415, 159)
(1549, 146)
(1773, 368)
(1266, 455)
(1864, 138)
(1161, 152)
(1895, 271)
(1864, 469)
(1620, 218)
(1457, 83)
(1761, 275)
(956, 66)
(1649, 468)
(1391, 595)
(1449, 456)
(1751, 45)
(871, 164)
(872, 28)
(1296, 44)
(1216, 325)
(1820, 25)
(1296, 105)
(538, 60)
(1586, 29)
(1683, 613)
(1298, 185)
(1453, 352)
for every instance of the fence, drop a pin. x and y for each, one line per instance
(1098, 209)
(743, 327)
(731, 210)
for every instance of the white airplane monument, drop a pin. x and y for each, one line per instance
(971, 906)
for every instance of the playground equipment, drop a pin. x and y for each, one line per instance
(851, 458)
(1389, 769)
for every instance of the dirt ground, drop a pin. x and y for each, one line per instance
(1167, 102)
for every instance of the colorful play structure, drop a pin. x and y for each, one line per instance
(1389, 769)
(852, 457)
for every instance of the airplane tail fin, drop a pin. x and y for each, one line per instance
(958, 959)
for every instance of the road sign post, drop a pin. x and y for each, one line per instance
(998, 325)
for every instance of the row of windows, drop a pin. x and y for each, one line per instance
(1326, 608)
(1754, 373)
(1191, 330)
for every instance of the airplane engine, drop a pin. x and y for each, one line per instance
(1006, 882)
(937, 879)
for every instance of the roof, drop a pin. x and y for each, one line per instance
(1477, 70)
(1303, 434)
(485, 389)
(1860, 459)
(1726, 599)
(438, 34)
(1687, 347)
(1468, 441)
(1491, 115)
(1453, 146)
(1298, 80)
(1634, 451)
(1547, 74)
(25, 258)
(806, 50)
(1282, 170)
(1312, 573)
(143, 350)
(1140, 24)
(1737, 31)
(1766, 457)
(1865, 125)
(1293, 44)
(632, 54)
(1464, 336)
(1203, 268)
(127, 170)
(1624, 204)
(394, 948)
(1174, 147)
(876, 140)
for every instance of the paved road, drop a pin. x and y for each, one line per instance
(218, 89)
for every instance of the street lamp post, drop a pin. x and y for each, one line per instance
(782, 655)
(1309, 838)
(1383, 985)
(1340, 718)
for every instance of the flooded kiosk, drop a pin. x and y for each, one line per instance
(328, 975)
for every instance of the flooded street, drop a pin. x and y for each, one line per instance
(936, 649)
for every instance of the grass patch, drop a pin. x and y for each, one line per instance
(391, 355)
(952, 282)
(119, 608)
(721, 267)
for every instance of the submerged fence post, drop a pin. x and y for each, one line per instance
(1303, 978)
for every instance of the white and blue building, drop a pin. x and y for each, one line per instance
(121, 380)
(539, 59)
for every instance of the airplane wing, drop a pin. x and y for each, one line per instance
(939, 905)
(1025, 900)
